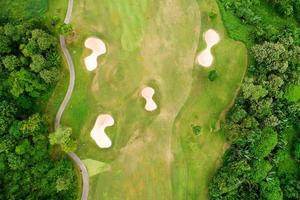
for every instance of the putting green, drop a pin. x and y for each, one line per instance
(152, 43)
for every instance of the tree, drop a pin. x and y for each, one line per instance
(23, 81)
(262, 108)
(229, 178)
(213, 75)
(196, 129)
(11, 31)
(62, 183)
(275, 83)
(5, 44)
(44, 40)
(251, 91)
(33, 126)
(263, 146)
(11, 62)
(250, 122)
(296, 151)
(238, 114)
(50, 76)
(260, 170)
(62, 137)
(38, 63)
(276, 52)
(23, 148)
(27, 170)
(212, 14)
(273, 56)
(7, 116)
(270, 189)
(290, 187)
(271, 121)
(29, 49)
(66, 29)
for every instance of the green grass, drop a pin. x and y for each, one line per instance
(57, 8)
(198, 157)
(154, 155)
(18, 9)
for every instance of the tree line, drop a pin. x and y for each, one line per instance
(31, 168)
(257, 123)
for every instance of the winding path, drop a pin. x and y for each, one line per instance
(73, 156)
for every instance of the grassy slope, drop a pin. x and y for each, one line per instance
(197, 157)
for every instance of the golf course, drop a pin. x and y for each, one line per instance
(150, 99)
(149, 94)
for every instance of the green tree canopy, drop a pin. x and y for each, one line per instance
(62, 137)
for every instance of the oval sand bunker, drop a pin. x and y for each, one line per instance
(205, 58)
(98, 48)
(98, 132)
(148, 93)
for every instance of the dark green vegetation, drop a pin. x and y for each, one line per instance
(29, 68)
(62, 137)
(263, 161)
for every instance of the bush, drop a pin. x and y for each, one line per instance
(213, 75)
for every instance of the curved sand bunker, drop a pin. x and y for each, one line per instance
(98, 48)
(98, 132)
(148, 93)
(205, 58)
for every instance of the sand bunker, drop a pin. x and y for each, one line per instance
(148, 93)
(98, 132)
(205, 58)
(98, 48)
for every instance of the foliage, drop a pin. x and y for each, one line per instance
(260, 170)
(62, 137)
(297, 150)
(263, 145)
(213, 75)
(261, 113)
(196, 129)
(29, 66)
(270, 189)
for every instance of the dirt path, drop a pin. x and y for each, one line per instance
(73, 156)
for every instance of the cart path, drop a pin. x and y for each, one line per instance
(73, 156)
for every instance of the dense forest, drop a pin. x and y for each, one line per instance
(263, 161)
(31, 168)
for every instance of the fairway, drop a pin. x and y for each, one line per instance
(151, 43)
